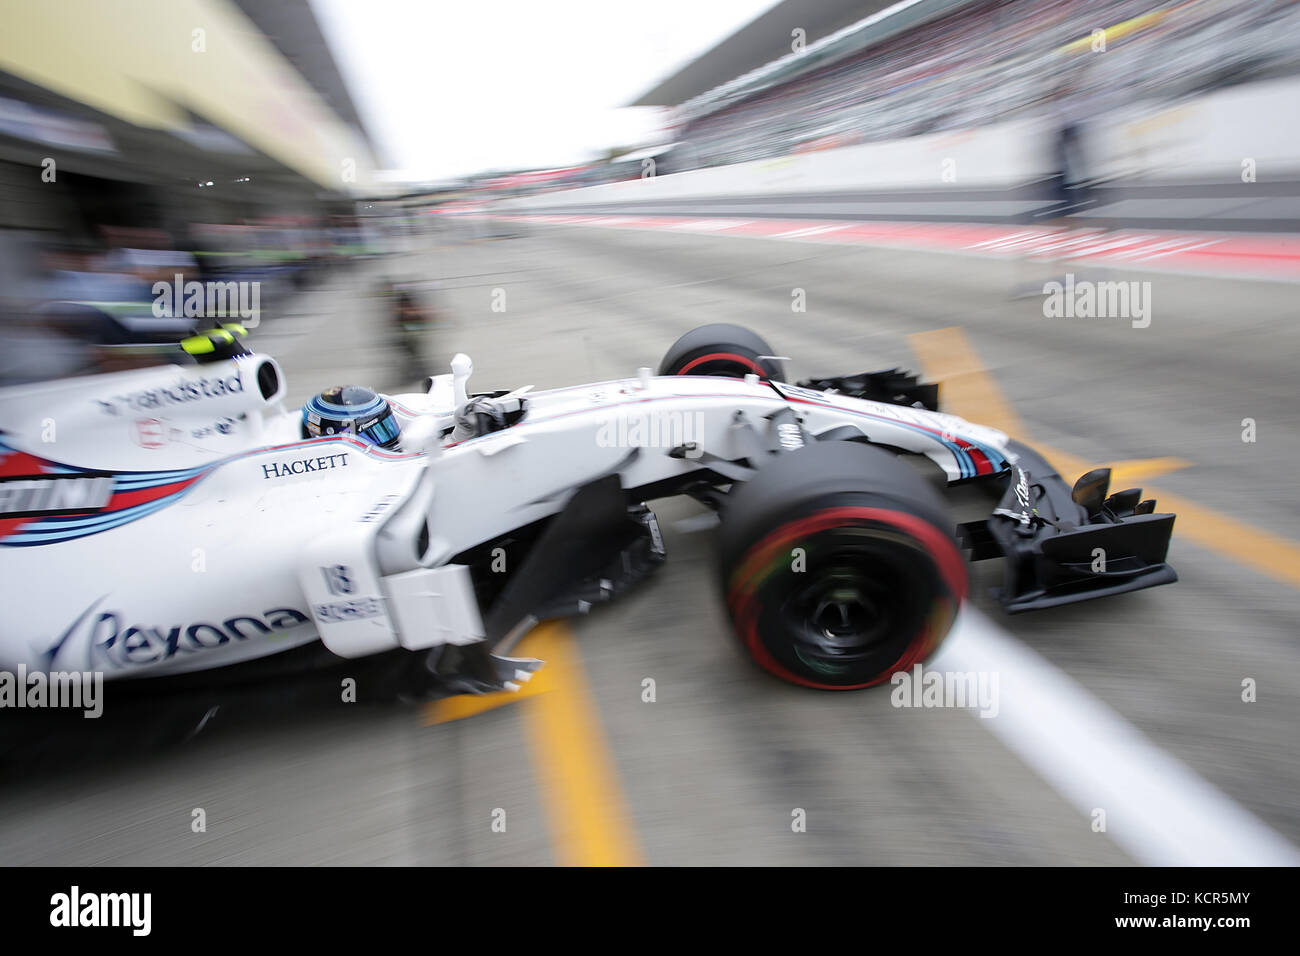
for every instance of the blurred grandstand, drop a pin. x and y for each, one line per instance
(925, 66)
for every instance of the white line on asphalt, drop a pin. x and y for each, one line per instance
(1136, 260)
(1157, 808)
(1184, 248)
(1016, 238)
(807, 231)
(705, 225)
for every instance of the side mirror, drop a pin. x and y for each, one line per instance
(462, 367)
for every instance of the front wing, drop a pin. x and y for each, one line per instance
(1063, 544)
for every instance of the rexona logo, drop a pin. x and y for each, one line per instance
(111, 640)
(182, 393)
(54, 495)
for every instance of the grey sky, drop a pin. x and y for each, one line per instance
(450, 88)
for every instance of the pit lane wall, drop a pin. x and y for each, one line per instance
(1205, 140)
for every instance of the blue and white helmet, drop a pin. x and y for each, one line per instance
(352, 410)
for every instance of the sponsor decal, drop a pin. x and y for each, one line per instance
(1024, 510)
(35, 511)
(182, 393)
(150, 433)
(43, 495)
(973, 457)
(795, 391)
(338, 579)
(111, 640)
(353, 610)
(302, 466)
(1022, 496)
(378, 509)
(222, 427)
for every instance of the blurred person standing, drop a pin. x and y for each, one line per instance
(1069, 180)
(1069, 188)
(409, 321)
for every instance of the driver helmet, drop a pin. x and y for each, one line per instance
(352, 410)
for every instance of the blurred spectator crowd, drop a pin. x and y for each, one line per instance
(990, 61)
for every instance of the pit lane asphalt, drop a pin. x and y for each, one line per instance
(711, 772)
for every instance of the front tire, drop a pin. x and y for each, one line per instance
(839, 566)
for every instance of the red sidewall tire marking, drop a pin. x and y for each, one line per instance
(723, 357)
(938, 546)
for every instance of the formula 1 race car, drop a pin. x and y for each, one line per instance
(177, 523)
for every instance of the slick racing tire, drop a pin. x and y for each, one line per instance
(838, 566)
(729, 351)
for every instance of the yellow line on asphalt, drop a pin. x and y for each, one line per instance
(968, 390)
(965, 386)
(580, 791)
(1269, 554)
(1124, 473)
(590, 823)
(467, 705)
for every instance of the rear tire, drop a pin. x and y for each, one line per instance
(721, 349)
(839, 566)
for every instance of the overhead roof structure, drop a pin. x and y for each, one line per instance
(765, 38)
(293, 28)
(762, 51)
(179, 83)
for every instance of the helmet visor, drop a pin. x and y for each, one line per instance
(382, 431)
